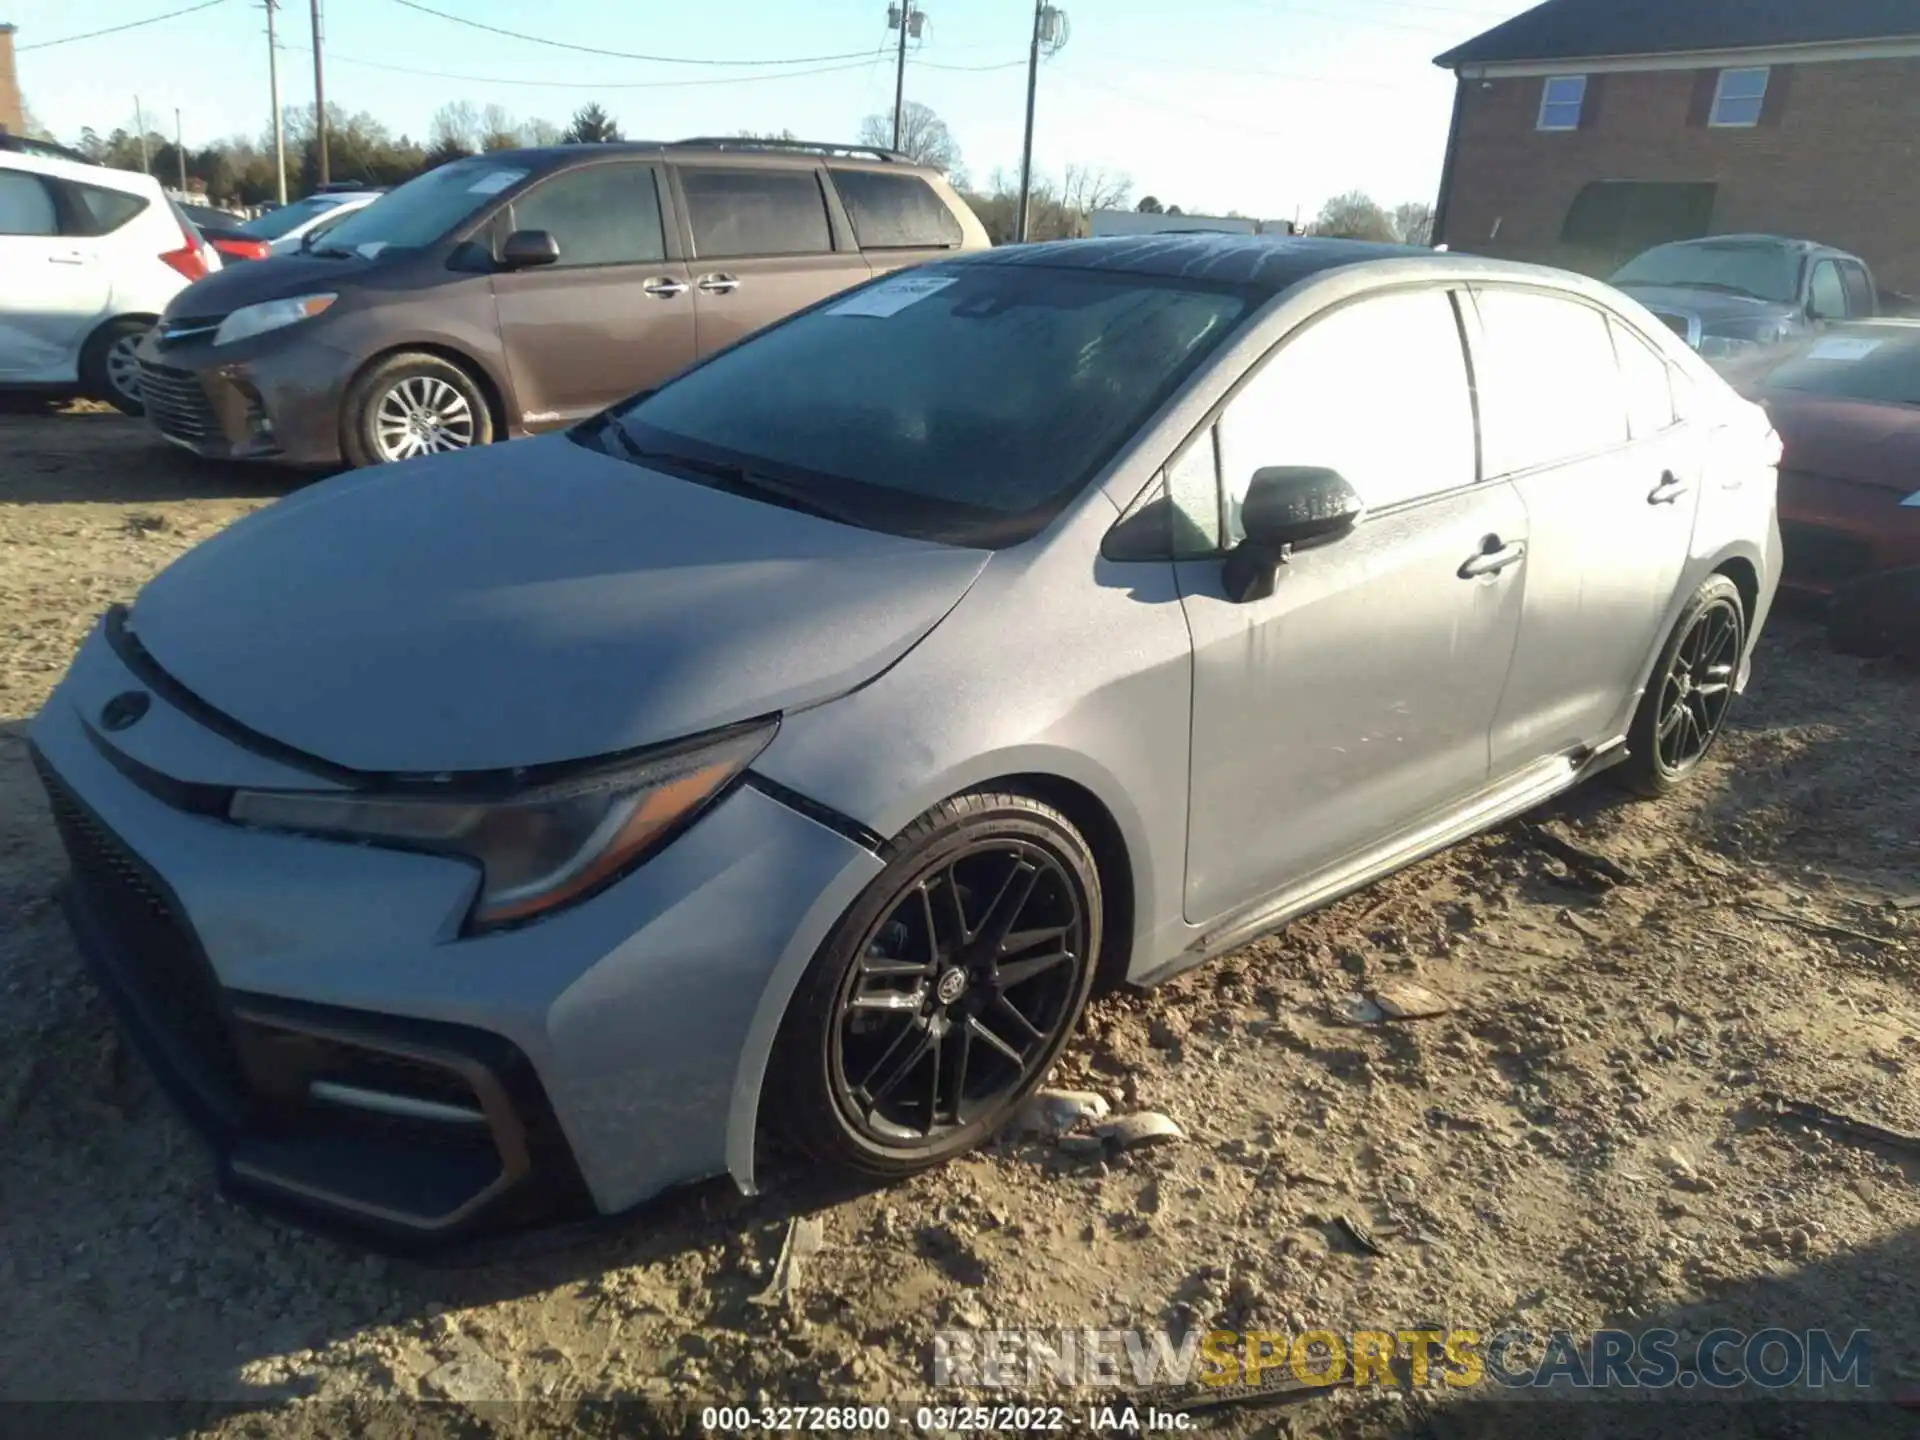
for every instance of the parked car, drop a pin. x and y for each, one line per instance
(45, 149)
(521, 290)
(225, 233)
(89, 258)
(1730, 295)
(1847, 406)
(285, 228)
(797, 744)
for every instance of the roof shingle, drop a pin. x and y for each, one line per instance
(1589, 29)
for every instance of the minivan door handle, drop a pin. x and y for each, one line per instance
(718, 284)
(1492, 558)
(1670, 489)
(665, 287)
(72, 257)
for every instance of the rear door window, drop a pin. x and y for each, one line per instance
(895, 212)
(1859, 288)
(737, 213)
(598, 214)
(1829, 295)
(26, 205)
(100, 211)
(1550, 387)
(1647, 383)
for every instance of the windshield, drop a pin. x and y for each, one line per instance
(275, 223)
(963, 403)
(1880, 368)
(422, 211)
(1766, 272)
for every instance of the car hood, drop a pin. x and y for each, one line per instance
(225, 291)
(1719, 312)
(531, 603)
(1853, 440)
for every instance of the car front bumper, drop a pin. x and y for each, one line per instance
(1836, 531)
(266, 400)
(352, 1058)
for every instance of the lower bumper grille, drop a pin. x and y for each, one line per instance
(176, 403)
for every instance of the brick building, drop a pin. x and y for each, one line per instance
(13, 118)
(1585, 131)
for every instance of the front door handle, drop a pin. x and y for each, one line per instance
(718, 284)
(1670, 489)
(665, 288)
(69, 259)
(1492, 558)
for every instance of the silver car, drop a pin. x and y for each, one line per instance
(793, 748)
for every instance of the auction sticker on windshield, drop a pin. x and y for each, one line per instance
(1843, 347)
(890, 297)
(494, 181)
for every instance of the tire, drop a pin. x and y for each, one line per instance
(834, 1057)
(1665, 746)
(412, 404)
(107, 368)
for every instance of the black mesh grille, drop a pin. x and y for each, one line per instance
(160, 966)
(176, 403)
(1822, 557)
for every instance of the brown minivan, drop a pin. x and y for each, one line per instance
(520, 290)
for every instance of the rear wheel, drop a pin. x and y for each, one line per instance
(411, 405)
(110, 365)
(1687, 699)
(946, 992)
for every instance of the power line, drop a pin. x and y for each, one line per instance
(1000, 65)
(861, 55)
(335, 57)
(116, 29)
(1298, 77)
(1140, 99)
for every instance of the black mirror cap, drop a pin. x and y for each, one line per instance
(1298, 504)
(530, 247)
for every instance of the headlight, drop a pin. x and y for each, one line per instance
(542, 848)
(250, 320)
(1725, 347)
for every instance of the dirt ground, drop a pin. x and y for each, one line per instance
(1587, 1137)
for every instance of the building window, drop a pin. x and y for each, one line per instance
(1739, 97)
(1560, 102)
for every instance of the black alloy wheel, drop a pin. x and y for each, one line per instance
(1687, 699)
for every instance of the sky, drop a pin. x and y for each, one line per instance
(1264, 107)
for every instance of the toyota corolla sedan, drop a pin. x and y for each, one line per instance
(791, 749)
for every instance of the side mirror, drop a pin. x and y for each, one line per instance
(1287, 506)
(526, 248)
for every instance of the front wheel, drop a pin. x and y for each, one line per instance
(1681, 715)
(412, 405)
(940, 1001)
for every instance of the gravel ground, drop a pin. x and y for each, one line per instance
(1585, 1137)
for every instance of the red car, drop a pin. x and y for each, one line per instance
(1847, 405)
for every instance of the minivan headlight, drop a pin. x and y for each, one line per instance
(542, 848)
(251, 320)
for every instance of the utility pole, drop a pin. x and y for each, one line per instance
(1049, 34)
(179, 149)
(908, 18)
(140, 124)
(279, 121)
(319, 95)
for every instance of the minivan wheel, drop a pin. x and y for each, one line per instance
(110, 365)
(946, 992)
(410, 405)
(1687, 699)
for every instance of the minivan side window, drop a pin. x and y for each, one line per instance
(737, 213)
(26, 205)
(1376, 390)
(1647, 383)
(895, 212)
(1829, 295)
(598, 214)
(1550, 388)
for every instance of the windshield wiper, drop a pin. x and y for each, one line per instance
(333, 252)
(733, 478)
(1719, 285)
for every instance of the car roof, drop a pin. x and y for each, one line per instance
(1747, 241)
(1265, 262)
(79, 171)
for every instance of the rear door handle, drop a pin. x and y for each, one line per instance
(68, 259)
(1670, 489)
(665, 288)
(718, 284)
(1494, 558)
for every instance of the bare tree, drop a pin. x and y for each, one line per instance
(1087, 188)
(924, 137)
(455, 126)
(498, 129)
(539, 133)
(1355, 216)
(1413, 222)
(765, 135)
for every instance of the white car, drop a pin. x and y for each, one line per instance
(287, 228)
(89, 257)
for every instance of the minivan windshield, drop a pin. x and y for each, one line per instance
(422, 211)
(1766, 272)
(275, 223)
(965, 403)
